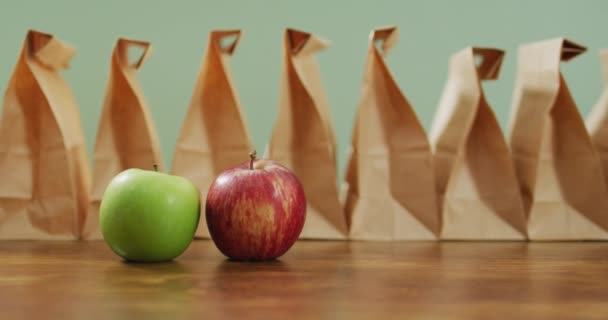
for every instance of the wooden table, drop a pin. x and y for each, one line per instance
(316, 280)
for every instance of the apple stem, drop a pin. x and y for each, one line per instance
(252, 155)
(155, 166)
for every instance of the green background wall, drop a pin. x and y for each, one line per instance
(431, 31)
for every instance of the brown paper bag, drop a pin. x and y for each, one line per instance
(477, 186)
(303, 137)
(390, 187)
(597, 122)
(558, 169)
(126, 136)
(214, 136)
(43, 164)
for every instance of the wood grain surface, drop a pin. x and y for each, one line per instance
(315, 280)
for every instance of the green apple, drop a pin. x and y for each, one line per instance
(148, 216)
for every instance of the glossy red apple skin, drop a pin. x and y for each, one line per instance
(255, 214)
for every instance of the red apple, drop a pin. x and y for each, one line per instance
(256, 210)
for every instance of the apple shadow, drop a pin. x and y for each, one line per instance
(144, 271)
(236, 284)
(168, 287)
(251, 266)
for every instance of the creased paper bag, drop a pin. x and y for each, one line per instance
(44, 185)
(477, 185)
(390, 187)
(303, 137)
(126, 136)
(597, 122)
(214, 136)
(558, 169)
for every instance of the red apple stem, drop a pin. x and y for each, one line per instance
(252, 156)
(155, 166)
